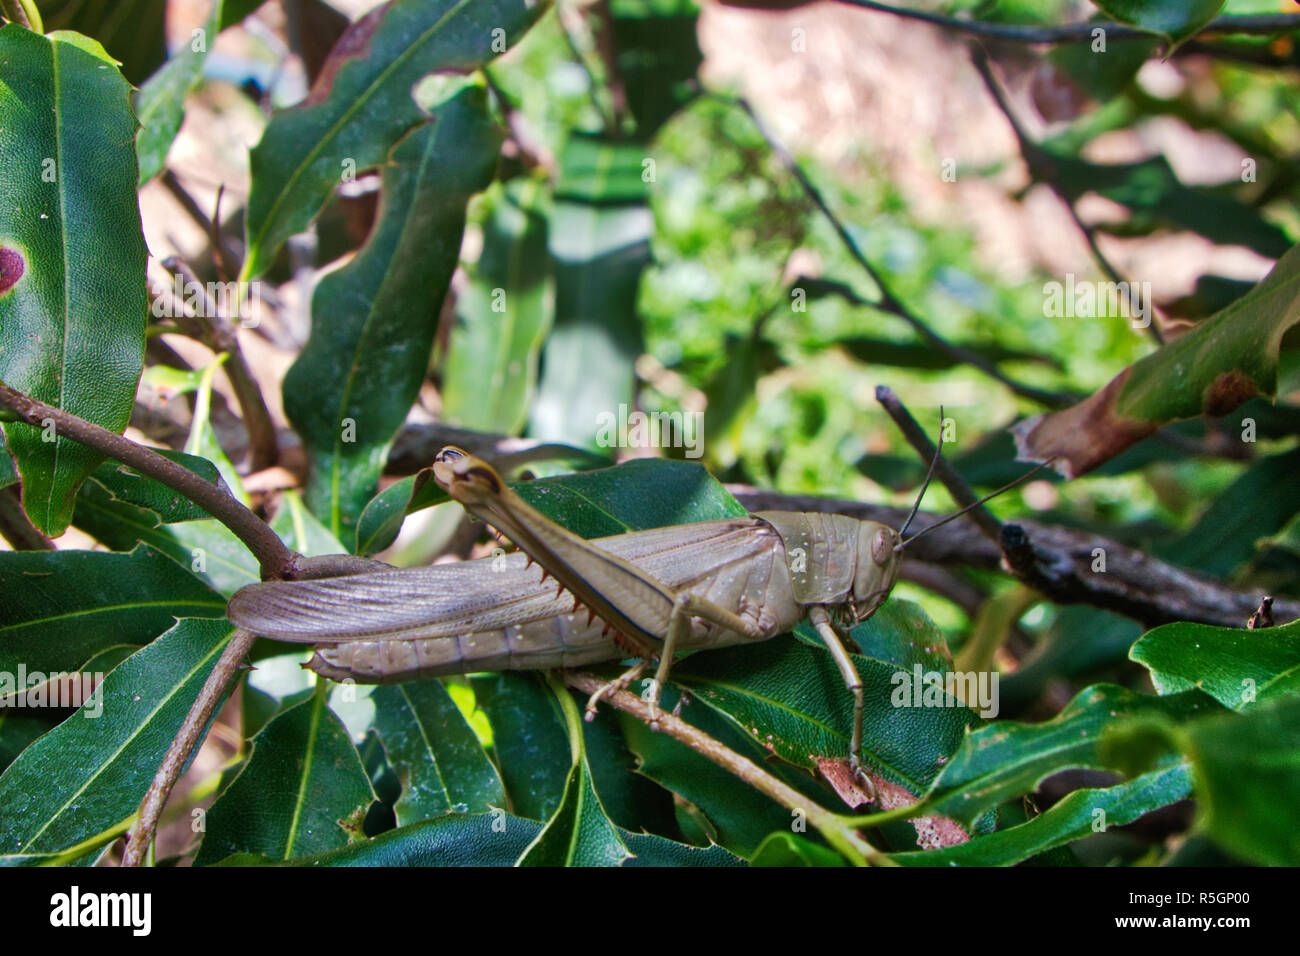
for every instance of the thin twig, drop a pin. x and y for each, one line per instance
(220, 335)
(1034, 156)
(961, 492)
(830, 825)
(606, 114)
(1264, 24)
(275, 558)
(220, 261)
(16, 527)
(187, 740)
(889, 302)
(194, 211)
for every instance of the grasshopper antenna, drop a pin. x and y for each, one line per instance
(975, 504)
(928, 475)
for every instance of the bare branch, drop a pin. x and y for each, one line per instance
(830, 825)
(275, 558)
(889, 302)
(16, 527)
(187, 740)
(218, 333)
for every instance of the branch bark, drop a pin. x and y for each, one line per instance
(830, 825)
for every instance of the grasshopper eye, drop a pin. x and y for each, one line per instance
(882, 547)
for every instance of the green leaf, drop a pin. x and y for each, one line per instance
(382, 518)
(1150, 188)
(636, 495)
(434, 752)
(484, 839)
(160, 102)
(362, 104)
(61, 608)
(792, 699)
(1258, 504)
(529, 741)
(657, 57)
(790, 849)
(72, 255)
(1176, 19)
(132, 31)
(580, 832)
(1212, 369)
(202, 440)
(373, 321)
(1102, 75)
(302, 790)
(124, 483)
(1003, 760)
(1247, 773)
(739, 817)
(1075, 816)
(502, 317)
(18, 730)
(299, 529)
(1234, 666)
(473, 839)
(207, 548)
(600, 233)
(633, 802)
(82, 779)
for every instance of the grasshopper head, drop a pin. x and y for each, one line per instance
(467, 479)
(877, 568)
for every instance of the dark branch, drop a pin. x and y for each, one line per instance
(889, 302)
(187, 740)
(944, 471)
(16, 527)
(218, 333)
(1040, 170)
(275, 558)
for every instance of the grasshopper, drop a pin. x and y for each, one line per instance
(646, 594)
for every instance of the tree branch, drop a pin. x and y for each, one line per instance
(830, 825)
(276, 559)
(1039, 169)
(889, 302)
(16, 527)
(187, 740)
(218, 333)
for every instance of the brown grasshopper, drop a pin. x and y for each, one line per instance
(648, 594)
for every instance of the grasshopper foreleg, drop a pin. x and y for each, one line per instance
(830, 637)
